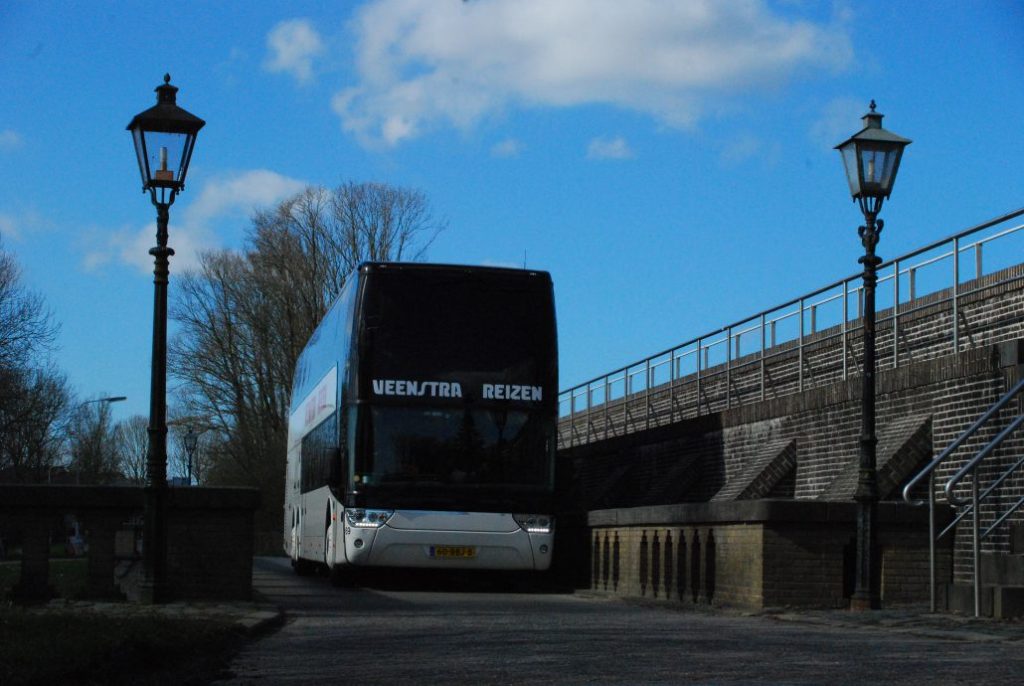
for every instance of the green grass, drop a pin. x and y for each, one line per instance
(91, 648)
(67, 576)
(82, 647)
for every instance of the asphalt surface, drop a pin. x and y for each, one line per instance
(478, 631)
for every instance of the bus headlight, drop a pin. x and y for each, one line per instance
(368, 519)
(535, 524)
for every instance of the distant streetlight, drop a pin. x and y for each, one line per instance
(164, 137)
(111, 399)
(872, 159)
(78, 471)
(191, 443)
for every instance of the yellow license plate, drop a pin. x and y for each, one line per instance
(449, 552)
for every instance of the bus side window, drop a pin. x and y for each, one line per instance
(336, 472)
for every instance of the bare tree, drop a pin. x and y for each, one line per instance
(131, 440)
(26, 327)
(32, 419)
(244, 318)
(33, 395)
(93, 444)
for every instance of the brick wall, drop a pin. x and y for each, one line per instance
(921, 408)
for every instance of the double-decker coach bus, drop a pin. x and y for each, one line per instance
(422, 423)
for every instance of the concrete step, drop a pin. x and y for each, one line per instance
(997, 601)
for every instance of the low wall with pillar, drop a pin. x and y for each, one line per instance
(759, 554)
(209, 537)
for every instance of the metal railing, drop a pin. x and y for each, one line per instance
(970, 467)
(792, 328)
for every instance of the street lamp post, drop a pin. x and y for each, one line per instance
(164, 137)
(871, 158)
(191, 443)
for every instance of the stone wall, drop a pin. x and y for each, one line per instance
(210, 543)
(758, 554)
(209, 537)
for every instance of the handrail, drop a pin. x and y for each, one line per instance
(985, 494)
(957, 443)
(799, 306)
(974, 507)
(982, 454)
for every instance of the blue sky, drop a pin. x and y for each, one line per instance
(669, 162)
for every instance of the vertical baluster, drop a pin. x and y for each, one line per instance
(572, 417)
(846, 319)
(699, 344)
(762, 355)
(800, 350)
(956, 294)
(671, 386)
(647, 393)
(590, 398)
(607, 399)
(896, 315)
(728, 367)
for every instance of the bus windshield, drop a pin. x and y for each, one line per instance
(460, 447)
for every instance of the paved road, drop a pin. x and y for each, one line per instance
(391, 633)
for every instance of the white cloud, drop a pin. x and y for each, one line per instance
(10, 139)
(293, 45)
(425, 63)
(23, 224)
(240, 193)
(192, 230)
(509, 147)
(604, 148)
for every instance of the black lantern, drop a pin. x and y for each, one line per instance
(872, 158)
(164, 136)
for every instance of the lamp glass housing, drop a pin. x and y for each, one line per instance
(163, 157)
(164, 136)
(871, 159)
(871, 167)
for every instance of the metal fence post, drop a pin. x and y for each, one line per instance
(572, 417)
(846, 319)
(607, 400)
(647, 393)
(800, 350)
(896, 315)
(956, 292)
(699, 344)
(728, 367)
(590, 398)
(762, 355)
